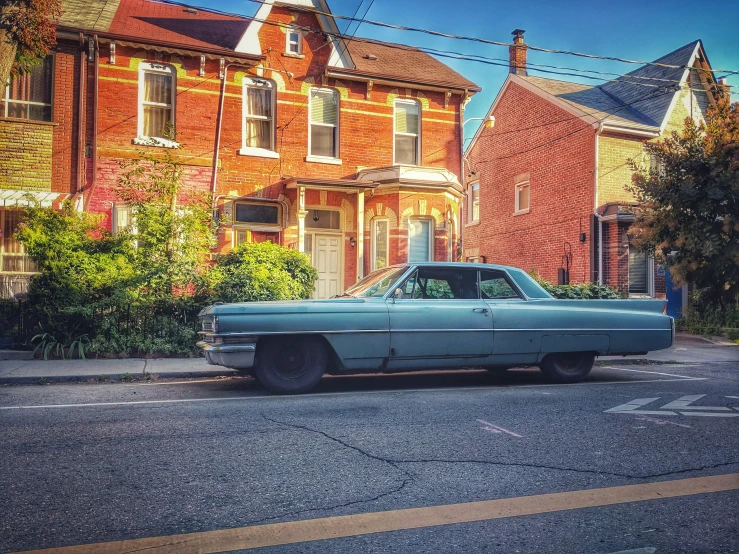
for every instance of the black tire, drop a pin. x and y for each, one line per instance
(567, 367)
(290, 365)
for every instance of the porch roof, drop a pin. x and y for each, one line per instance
(319, 183)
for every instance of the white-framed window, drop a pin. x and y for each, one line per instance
(473, 203)
(420, 240)
(258, 124)
(523, 197)
(121, 218)
(323, 137)
(13, 256)
(380, 242)
(29, 96)
(157, 93)
(294, 41)
(407, 124)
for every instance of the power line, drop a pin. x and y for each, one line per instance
(508, 44)
(448, 54)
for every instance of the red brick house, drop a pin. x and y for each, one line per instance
(348, 150)
(546, 184)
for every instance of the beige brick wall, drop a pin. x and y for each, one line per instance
(25, 155)
(690, 101)
(614, 170)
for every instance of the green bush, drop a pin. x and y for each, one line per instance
(586, 291)
(263, 271)
(704, 316)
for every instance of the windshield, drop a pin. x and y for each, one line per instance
(376, 283)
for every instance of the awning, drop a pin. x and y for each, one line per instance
(617, 211)
(345, 185)
(9, 198)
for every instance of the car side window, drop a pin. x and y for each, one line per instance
(430, 283)
(495, 286)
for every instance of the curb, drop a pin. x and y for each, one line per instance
(112, 377)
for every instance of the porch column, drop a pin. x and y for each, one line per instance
(360, 235)
(301, 219)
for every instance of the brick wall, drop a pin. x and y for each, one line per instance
(532, 136)
(614, 169)
(25, 154)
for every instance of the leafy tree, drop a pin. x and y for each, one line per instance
(171, 226)
(27, 34)
(263, 271)
(688, 213)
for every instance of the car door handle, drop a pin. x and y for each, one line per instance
(480, 310)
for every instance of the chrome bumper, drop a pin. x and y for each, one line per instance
(672, 327)
(235, 356)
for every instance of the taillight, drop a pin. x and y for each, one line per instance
(664, 308)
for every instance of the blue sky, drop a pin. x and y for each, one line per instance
(637, 30)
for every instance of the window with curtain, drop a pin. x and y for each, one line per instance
(13, 257)
(523, 199)
(28, 96)
(407, 132)
(259, 110)
(324, 123)
(380, 240)
(156, 94)
(420, 236)
(474, 203)
(638, 271)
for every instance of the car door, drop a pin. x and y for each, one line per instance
(512, 325)
(439, 314)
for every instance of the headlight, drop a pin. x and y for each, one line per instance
(210, 325)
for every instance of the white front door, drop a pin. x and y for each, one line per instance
(327, 259)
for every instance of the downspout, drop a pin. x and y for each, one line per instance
(463, 202)
(598, 217)
(95, 114)
(219, 124)
(81, 118)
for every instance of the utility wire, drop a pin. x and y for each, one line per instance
(498, 43)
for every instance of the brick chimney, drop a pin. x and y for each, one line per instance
(517, 53)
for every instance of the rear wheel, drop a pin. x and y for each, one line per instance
(290, 365)
(567, 367)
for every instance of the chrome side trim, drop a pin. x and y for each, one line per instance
(543, 330)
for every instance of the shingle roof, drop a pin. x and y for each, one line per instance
(593, 101)
(170, 23)
(147, 19)
(632, 100)
(404, 63)
(629, 89)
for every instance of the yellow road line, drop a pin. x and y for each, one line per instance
(292, 532)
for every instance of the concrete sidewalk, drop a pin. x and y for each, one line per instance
(688, 349)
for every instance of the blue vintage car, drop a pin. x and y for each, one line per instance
(429, 316)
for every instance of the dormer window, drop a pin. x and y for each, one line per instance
(294, 41)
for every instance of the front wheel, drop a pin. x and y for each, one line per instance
(290, 365)
(567, 367)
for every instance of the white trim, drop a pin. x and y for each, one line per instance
(249, 41)
(341, 231)
(292, 29)
(246, 84)
(373, 245)
(518, 210)
(414, 102)
(162, 69)
(470, 204)
(676, 95)
(432, 237)
(335, 159)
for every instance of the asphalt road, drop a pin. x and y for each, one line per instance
(134, 461)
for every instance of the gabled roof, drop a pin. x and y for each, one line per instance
(163, 22)
(596, 102)
(629, 88)
(160, 22)
(403, 63)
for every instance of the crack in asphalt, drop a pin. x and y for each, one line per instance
(406, 479)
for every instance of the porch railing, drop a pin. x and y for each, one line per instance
(12, 284)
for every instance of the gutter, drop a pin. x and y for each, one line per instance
(363, 76)
(95, 114)
(629, 131)
(81, 117)
(463, 203)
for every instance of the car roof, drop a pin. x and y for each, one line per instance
(467, 265)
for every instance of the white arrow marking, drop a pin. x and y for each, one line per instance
(497, 429)
(633, 408)
(683, 403)
(710, 414)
